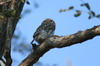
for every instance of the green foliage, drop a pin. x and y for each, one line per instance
(78, 13)
(71, 7)
(28, 2)
(86, 5)
(64, 10)
(98, 16)
(91, 13)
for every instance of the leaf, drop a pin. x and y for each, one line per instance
(98, 16)
(28, 2)
(86, 5)
(78, 13)
(93, 13)
(60, 10)
(64, 10)
(71, 7)
(89, 17)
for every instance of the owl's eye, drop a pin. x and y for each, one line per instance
(51, 20)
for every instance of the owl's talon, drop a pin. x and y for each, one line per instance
(34, 46)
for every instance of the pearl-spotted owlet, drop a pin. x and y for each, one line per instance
(44, 31)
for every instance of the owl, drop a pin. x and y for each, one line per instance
(44, 31)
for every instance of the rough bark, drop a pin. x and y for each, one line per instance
(7, 26)
(59, 42)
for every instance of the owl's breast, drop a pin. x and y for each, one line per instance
(41, 36)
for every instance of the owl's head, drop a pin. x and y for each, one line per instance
(45, 30)
(48, 21)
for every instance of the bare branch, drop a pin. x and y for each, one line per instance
(59, 42)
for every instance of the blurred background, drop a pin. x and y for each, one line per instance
(82, 54)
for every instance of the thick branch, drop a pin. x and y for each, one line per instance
(7, 50)
(59, 42)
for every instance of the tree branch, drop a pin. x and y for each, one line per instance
(7, 50)
(7, 26)
(59, 42)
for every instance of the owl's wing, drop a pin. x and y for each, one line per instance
(38, 30)
(44, 26)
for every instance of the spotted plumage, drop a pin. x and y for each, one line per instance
(44, 31)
